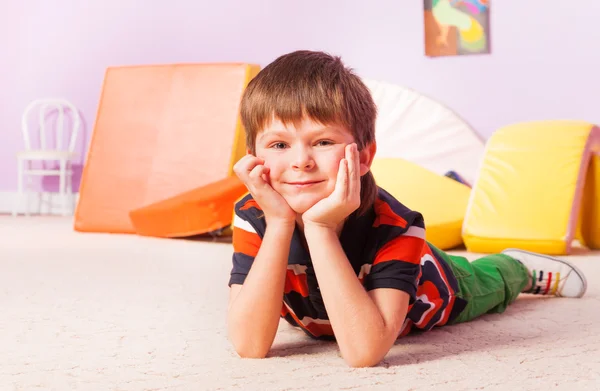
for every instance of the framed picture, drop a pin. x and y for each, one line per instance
(456, 27)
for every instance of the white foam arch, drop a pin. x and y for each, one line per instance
(421, 130)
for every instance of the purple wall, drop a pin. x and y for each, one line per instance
(544, 63)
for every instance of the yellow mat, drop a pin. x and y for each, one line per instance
(442, 201)
(530, 189)
(590, 210)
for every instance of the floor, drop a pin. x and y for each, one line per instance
(122, 312)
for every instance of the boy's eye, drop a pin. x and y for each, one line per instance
(278, 145)
(324, 143)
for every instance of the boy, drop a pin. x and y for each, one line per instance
(319, 244)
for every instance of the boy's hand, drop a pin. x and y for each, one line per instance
(251, 170)
(345, 198)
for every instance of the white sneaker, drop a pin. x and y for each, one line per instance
(550, 276)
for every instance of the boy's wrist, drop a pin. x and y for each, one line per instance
(281, 224)
(320, 229)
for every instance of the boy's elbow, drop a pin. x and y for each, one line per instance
(251, 352)
(249, 348)
(369, 353)
(249, 343)
(362, 362)
(368, 358)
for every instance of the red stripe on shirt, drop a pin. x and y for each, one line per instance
(386, 216)
(451, 292)
(293, 315)
(251, 203)
(403, 248)
(429, 289)
(440, 269)
(284, 311)
(315, 329)
(245, 242)
(447, 311)
(295, 282)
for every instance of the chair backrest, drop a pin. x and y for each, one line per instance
(44, 108)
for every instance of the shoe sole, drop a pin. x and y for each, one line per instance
(575, 268)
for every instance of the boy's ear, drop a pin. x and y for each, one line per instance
(366, 157)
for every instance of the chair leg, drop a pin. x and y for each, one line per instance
(41, 196)
(63, 187)
(70, 192)
(45, 202)
(26, 190)
(17, 203)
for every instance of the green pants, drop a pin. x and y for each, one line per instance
(488, 284)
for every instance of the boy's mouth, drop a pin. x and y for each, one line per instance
(303, 184)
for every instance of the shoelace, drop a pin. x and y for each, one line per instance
(543, 283)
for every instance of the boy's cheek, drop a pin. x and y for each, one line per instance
(267, 161)
(264, 157)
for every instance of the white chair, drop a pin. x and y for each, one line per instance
(45, 153)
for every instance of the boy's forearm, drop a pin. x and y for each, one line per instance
(253, 316)
(356, 321)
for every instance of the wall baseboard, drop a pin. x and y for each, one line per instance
(51, 205)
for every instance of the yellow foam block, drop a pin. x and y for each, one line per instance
(530, 187)
(441, 200)
(590, 211)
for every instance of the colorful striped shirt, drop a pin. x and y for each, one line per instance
(385, 246)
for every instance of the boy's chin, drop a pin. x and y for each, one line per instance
(301, 206)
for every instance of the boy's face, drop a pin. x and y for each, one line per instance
(303, 160)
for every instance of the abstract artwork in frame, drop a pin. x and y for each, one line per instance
(456, 27)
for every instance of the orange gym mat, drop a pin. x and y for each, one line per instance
(160, 131)
(207, 209)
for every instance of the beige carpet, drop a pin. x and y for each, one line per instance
(121, 312)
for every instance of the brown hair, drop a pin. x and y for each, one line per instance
(314, 85)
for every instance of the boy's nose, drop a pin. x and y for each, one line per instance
(303, 161)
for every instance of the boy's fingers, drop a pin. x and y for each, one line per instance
(341, 183)
(354, 172)
(351, 158)
(256, 173)
(357, 163)
(238, 167)
(246, 164)
(258, 179)
(265, 175)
